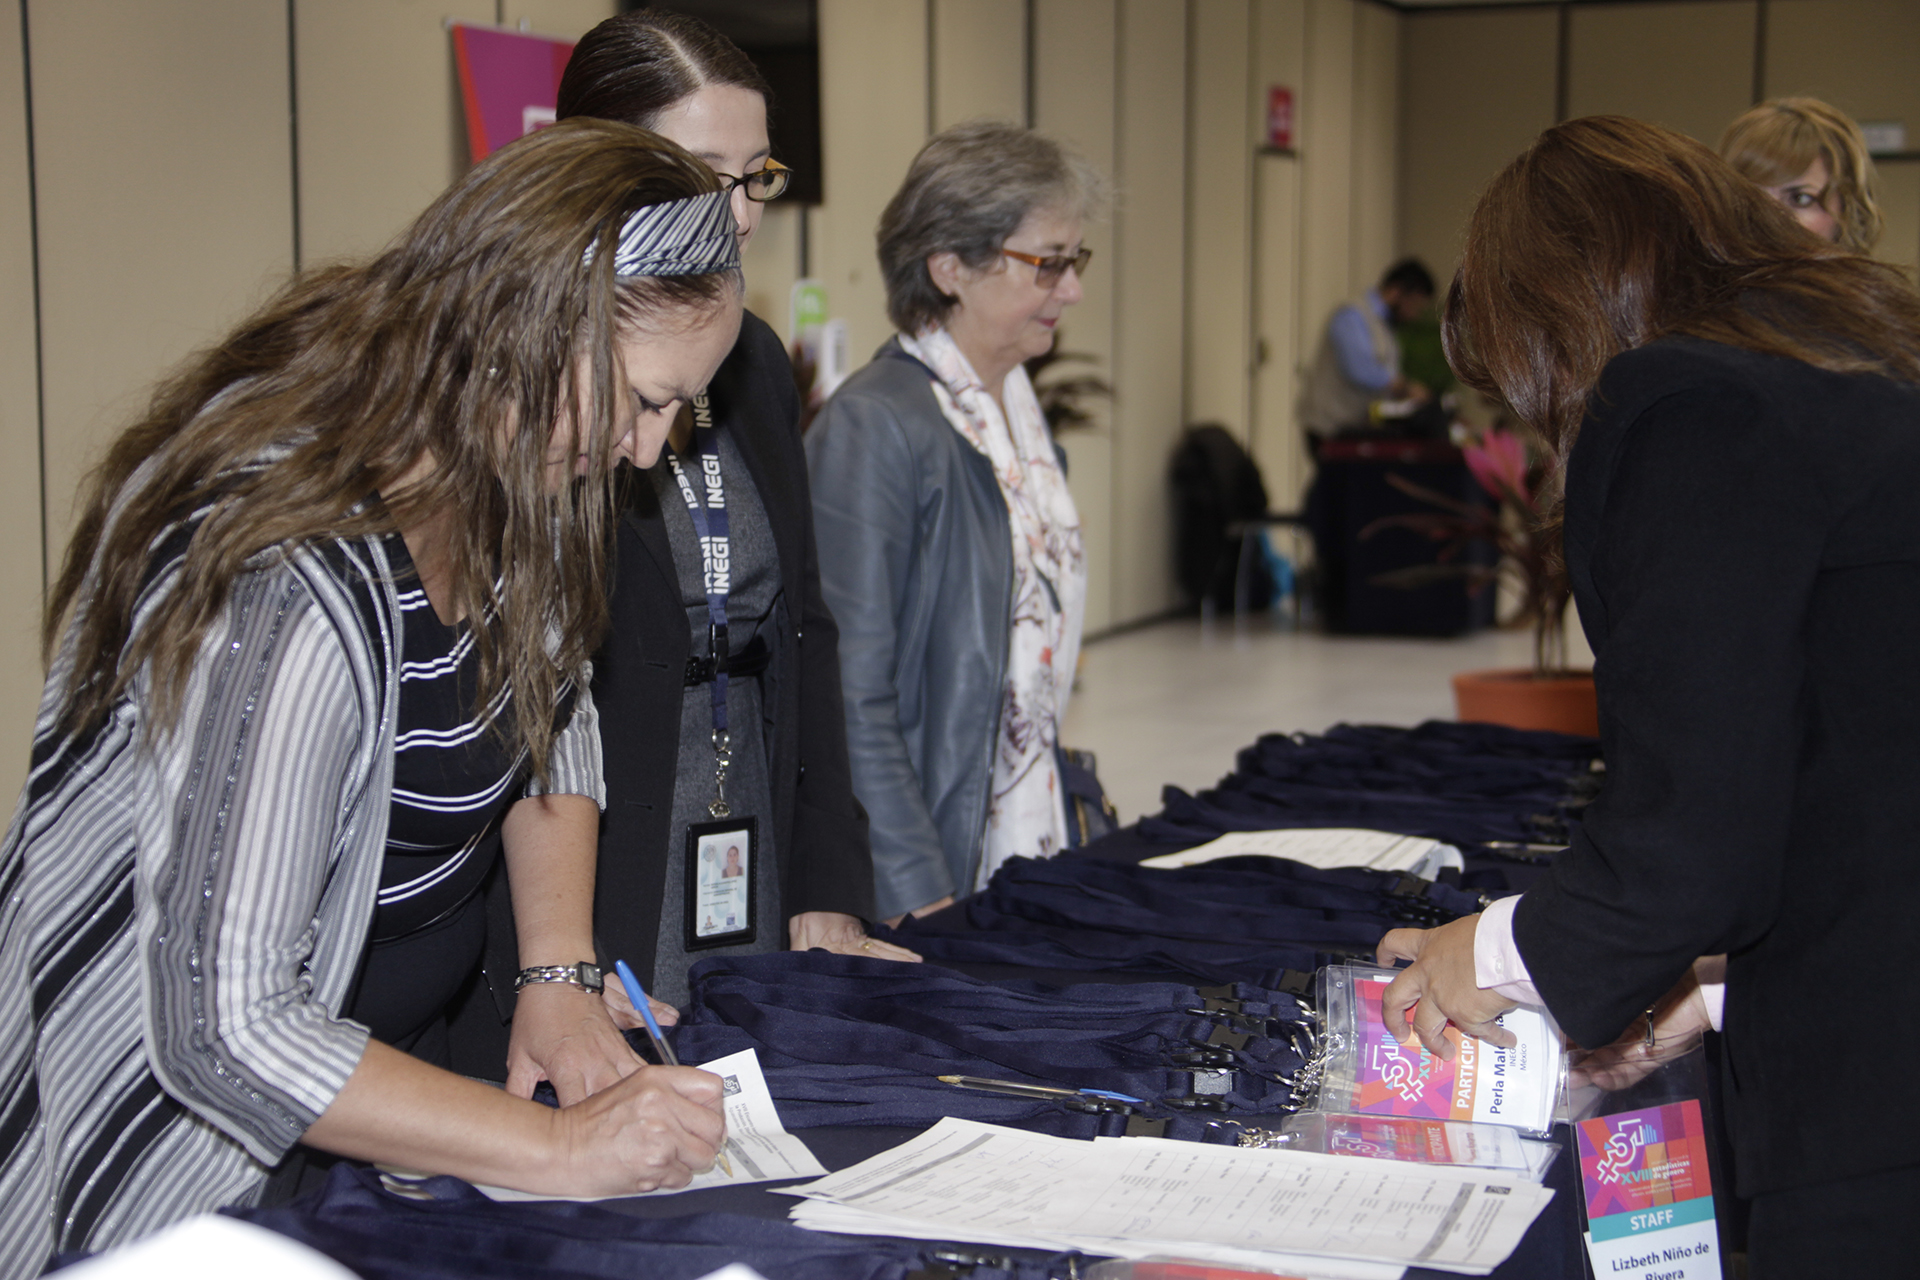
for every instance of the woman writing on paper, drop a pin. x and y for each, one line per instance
(319, 655)
(1737, 409)
(950, 549)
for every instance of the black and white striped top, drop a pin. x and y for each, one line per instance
(181, 916)
(453, 775)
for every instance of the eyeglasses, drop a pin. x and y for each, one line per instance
(1047, 271)
(761, 186)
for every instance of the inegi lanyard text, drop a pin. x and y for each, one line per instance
(716, 571)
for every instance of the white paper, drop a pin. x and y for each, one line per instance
(758, 1145)
(963, 1180)
(1325, 847)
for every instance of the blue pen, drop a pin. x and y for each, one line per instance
(638, 995)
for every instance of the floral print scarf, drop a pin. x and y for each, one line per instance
(1026, 816)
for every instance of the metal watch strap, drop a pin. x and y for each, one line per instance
(585, 975)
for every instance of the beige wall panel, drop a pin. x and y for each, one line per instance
(1074, 93)
(1090, 477)
(771, 264)
(1376, 131)
(1221, 146)
(873, 92)
(1326, 168)
(1859, 55)
(381, 128)
(979, 61)
(562, 19)
(20, 581)
(1279, 55)
(178, 112)
(1148, 323)
(1688, 66)
(1475, 89)
(1900, 203)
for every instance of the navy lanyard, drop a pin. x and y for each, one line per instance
(716, 571)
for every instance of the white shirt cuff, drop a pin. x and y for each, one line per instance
(1497, 965)
(1714, 994)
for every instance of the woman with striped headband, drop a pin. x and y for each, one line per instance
(318, 660)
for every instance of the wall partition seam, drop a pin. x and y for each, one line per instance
(39, 335)
(1187, 198)
(293, 125)
(1027, 70)
(933, 23)
(1119, 287)
(1759, 93)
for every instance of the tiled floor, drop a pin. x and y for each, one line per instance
(1173, 702)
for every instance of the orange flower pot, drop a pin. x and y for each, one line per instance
(1517, 698)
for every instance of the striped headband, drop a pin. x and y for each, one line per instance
(687, 237)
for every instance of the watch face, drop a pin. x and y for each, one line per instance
(590, 977)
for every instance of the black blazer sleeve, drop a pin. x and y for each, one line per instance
(1694, 537)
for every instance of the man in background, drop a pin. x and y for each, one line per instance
(1359, 358)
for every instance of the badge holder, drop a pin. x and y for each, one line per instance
(1647, 1177)
(722, 863)
(1366, 1070)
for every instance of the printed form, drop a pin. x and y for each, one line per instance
(1331, 1216)
(758, 1145)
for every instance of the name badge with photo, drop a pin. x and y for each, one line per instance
(719, 880)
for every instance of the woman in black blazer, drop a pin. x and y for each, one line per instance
(1736, 404)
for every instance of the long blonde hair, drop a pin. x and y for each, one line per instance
(1772, 144)
(459, 343)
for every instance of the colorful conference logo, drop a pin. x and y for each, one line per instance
(1649, 1194)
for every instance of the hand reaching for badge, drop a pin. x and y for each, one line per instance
(1439, 988)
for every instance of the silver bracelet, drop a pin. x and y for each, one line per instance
(585, 975)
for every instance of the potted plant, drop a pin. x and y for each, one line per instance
(1063, 400)
(1549, 695)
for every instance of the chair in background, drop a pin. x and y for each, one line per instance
(1221, 518)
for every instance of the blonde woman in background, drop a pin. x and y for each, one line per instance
(1812, 159)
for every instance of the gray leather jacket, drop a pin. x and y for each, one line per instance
(916, 563)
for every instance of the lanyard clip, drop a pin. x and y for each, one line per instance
(722, 759)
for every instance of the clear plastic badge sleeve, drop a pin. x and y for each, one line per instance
(1364, 1069)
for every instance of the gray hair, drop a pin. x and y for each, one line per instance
(969, 189)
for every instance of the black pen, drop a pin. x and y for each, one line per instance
(1015, 1089)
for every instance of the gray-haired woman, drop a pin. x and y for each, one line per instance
(950, 550)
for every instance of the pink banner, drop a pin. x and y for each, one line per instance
(509, 82)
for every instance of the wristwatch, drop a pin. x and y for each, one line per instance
(585, 975)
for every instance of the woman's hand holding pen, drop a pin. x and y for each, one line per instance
(657, 1128)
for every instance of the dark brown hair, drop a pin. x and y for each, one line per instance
(634, 66)
(1608, 233)
(458, 344)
